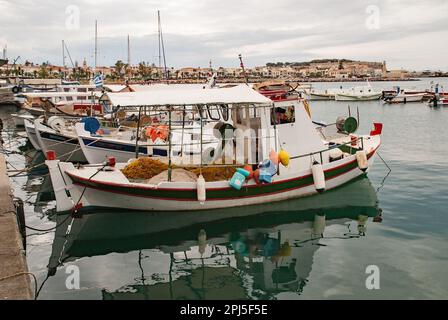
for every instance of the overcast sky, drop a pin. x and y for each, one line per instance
(410, 34)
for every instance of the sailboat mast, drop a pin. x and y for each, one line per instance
(159, 38)
(161, 47)
(96, 45)
(63, 54)
(129, 52)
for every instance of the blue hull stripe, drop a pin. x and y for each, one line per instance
(122, 147)
(57, 137)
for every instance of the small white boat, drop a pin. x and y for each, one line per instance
(359, 93)
(264, 129)
(403, 97)
(122, 145)
(56, 135)
(314, 95)
(439, 101)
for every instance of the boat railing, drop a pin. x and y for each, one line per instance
(338, 145)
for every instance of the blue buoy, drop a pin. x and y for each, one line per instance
(91, 124)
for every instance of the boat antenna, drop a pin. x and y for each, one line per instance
(242, 67)
(161, 47)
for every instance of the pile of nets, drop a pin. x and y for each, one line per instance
(147, 168)
(214, 174)
(144, 168)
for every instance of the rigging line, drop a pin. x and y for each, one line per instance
(70, 153)
(381, 186)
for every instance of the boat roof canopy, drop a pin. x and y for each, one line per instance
(241, 94)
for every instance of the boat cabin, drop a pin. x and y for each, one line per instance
(234, 125)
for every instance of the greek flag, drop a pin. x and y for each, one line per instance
(98, 80)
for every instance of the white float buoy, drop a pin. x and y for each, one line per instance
(318, 176)
(361, 157)
(336, 154)
(200, 185)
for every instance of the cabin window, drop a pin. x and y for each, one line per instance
(82, 98)
(69, 98)
(225, 112)
(213, 113)
(282, 115)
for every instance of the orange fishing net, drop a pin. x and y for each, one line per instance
(146, 168)
(214, 174)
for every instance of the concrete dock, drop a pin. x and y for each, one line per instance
(14, 283)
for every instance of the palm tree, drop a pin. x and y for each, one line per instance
(120, 67)
(43, 72)
(144, 70)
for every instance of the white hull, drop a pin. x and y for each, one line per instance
(121, 193)
(355, 97)
(31, 133)
(97, 150)
(98, 198)
(407, 98)
(51, 140)
(321, 96)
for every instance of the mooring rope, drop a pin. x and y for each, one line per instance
(386, 176)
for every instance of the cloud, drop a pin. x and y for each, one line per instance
(407, 33)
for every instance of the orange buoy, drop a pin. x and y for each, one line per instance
(257, 176)
(157, 131)
(248, 167)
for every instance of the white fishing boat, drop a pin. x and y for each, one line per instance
(320, 95)
(358, 93)
(264, 136)
(403, 97)
(121, 143)
(58, 135)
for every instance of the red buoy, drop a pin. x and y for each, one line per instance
(51, 155)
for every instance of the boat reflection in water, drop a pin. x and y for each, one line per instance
(252, 252)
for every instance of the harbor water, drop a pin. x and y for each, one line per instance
(323, 246)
